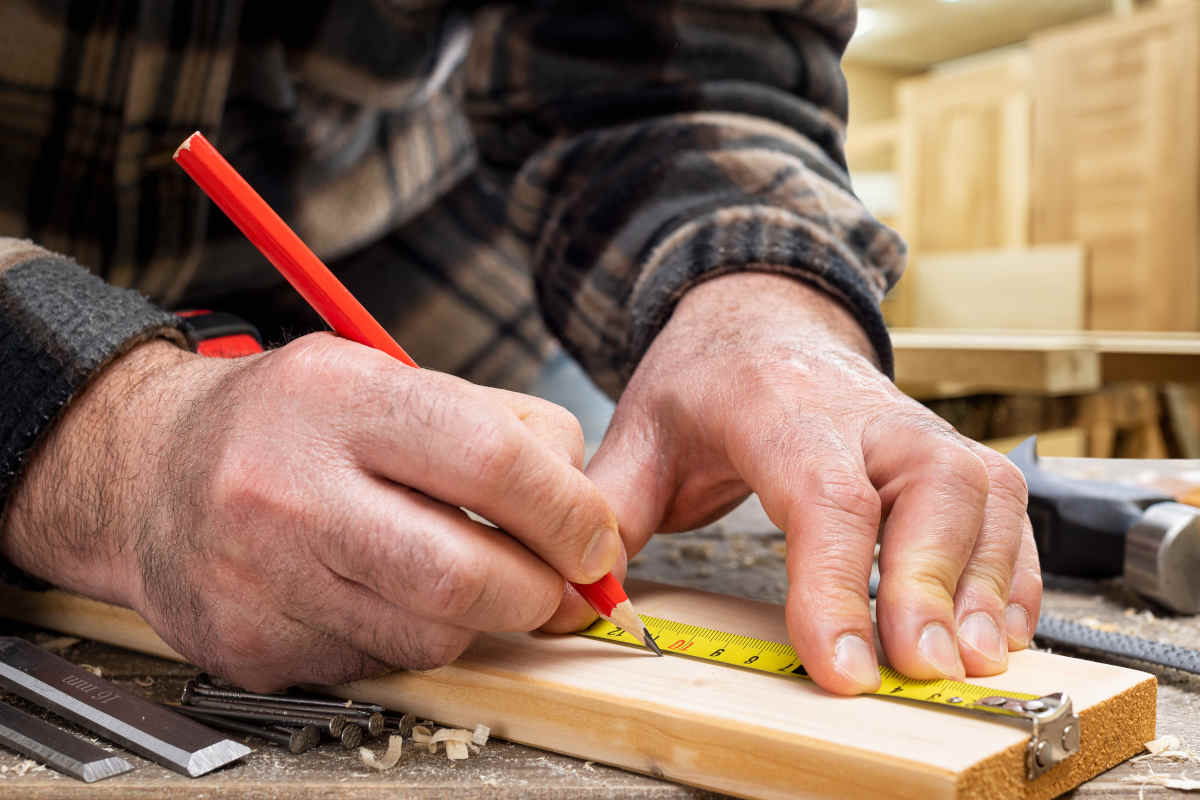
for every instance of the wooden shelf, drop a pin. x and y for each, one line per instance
(943, 363)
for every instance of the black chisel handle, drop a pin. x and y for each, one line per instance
(1080, 525)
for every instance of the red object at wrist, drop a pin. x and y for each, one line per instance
(220, 335)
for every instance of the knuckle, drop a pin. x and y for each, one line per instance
(492, 452)
(570, 433)
(456, 591)
(1006, 480)
(928, 574)
(436, 649)
(849, 495)
(569, 510)
(960, 470)
(982, 581)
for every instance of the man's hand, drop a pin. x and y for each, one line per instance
(759, 383)
(294, 516)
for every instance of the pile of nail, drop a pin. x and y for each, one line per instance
(297, 722)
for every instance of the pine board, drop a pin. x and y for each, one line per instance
(739, 732)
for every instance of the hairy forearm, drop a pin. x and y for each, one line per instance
(69, 520)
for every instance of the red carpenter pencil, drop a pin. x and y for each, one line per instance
(329, 297)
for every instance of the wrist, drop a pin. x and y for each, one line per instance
(88, 490)
(789, 310)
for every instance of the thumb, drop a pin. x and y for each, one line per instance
(633, 475)
(636, 476)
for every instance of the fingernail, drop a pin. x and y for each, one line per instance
(855, 660)
(600, 555)
(936, 646)
(1016, 619)
(979, 632)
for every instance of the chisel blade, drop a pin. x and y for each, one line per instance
(133, 722)
(56, 748)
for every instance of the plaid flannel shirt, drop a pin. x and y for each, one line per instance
(482, 175)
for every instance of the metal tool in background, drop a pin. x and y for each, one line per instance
(1064, 632)
(133, 722)
(57, 749)
(1095, 529)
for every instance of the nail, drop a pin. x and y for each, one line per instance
(351, 737)
(228, 708)
(855, 660)
(600, 555)
(200, 688)
(296, 741)
(979, 632)
(1016, 619)
(937, 648)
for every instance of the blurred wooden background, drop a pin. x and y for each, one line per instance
(1042, 159)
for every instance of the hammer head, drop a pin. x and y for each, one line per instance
(1162, 556)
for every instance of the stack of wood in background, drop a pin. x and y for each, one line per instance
(1052, 186)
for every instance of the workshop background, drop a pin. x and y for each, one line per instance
(1042, 160)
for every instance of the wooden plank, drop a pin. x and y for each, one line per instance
(949, 363)
(945, 363)
(735, 731)
(1116, 161)
(1041, 288)
(1061, 443)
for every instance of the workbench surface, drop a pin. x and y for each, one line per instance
(742, 555)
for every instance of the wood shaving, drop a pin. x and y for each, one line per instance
(460, 742)
(390, 759)
(60, 643)
(452, 735)
(1167, 747)
(1163, 743)
(94, 670)
(145, 682)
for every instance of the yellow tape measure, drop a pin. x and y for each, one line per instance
(1055, 727)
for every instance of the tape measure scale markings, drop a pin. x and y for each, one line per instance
(1055, 734)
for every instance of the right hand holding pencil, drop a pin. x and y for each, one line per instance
(294, 516)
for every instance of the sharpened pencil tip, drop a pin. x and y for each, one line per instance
(651, 645)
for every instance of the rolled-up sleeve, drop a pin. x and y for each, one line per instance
(653, 146)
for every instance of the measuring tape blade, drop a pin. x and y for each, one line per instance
(1055, 727)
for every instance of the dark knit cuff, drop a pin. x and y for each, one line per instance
(759, 240)
(59, 325)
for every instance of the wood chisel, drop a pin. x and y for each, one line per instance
(104, 708)
(56, 748)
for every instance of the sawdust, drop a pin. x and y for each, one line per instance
(99, 673)
(1097, 625)
(21, 768)
(1165, 781)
